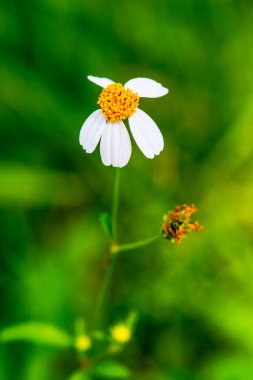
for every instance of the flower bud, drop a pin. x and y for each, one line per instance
(121, 333)
(83, 343)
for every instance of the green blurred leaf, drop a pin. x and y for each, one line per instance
(26, 185)
(39, 333)
(106, 224)
(132, 320)
(80, 375)
(229, 367)
(111, 369)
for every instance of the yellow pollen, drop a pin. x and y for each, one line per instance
(117, 102)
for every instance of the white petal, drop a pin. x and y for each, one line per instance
(92, 130)
(103, 82)
(146, 134)
(115, 146)
(147, 88)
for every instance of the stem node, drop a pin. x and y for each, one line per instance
(114, 249)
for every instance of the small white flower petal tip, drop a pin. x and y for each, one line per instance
(119, 102)
(102, 82)
(147, 88)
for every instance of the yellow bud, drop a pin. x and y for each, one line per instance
(83, 343)
(121, 333)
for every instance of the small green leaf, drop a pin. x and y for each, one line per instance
(132, 320)
(106, 223)
(111, 369)
(39, 333)
(80, 375)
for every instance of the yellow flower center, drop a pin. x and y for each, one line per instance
(117, 102)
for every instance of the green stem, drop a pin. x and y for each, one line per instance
(137, 244)
(115, 206)
(105, 291)
(112, 259)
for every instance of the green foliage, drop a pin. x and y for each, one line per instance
(111, 369)
(81, 375)
(106, 223)
(131, 320)
(39, 333)
(38, 188)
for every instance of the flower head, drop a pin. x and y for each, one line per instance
(83, 343)
(121, 333)
(119, 102)
(177, 223)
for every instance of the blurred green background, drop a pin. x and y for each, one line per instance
(196, 301)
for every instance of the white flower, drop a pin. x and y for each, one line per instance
(117, 103)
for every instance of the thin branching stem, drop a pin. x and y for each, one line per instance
(136, 244)
(102, 307)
